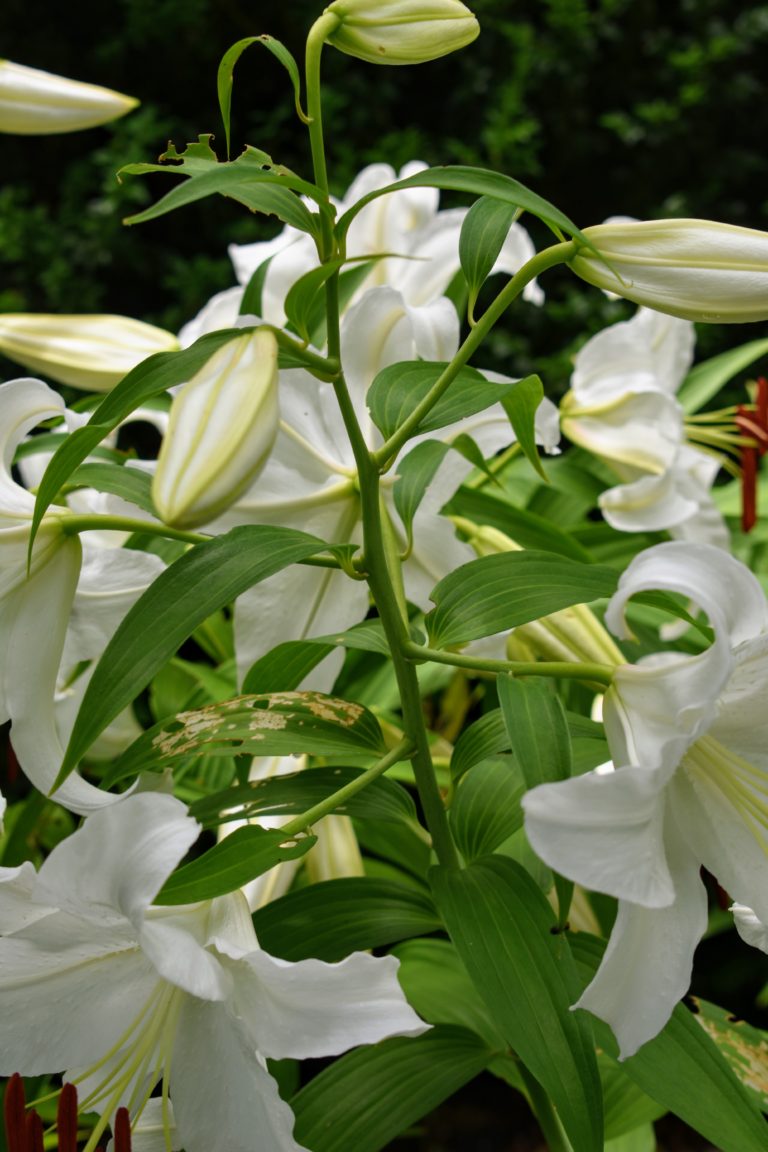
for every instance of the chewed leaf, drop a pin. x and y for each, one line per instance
(277, 724)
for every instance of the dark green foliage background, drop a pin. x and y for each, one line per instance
(638, 107)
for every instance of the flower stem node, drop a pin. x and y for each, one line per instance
(401, 31)
(696, 269)
(222, 427)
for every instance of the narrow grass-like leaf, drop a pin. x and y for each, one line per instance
(291, 795)
(245, 854)
(368, 1097)
(537, 727)
(706, 379)
(476, 182)
(502, 926)
(331, 919)
(278, 724)
(498, 592)
(230, 58)
(206, 578)
(482, 235)
(486, 807)
(684, 1069)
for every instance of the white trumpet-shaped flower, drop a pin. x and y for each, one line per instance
(622, 407)
(92, 352)
(120, 995)
(57, 612)
(696, 269)
(35, 103)
(688, 737)
(310, 480)
(422, 243)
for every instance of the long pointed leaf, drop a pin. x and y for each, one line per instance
(502, 926)
(209, 576)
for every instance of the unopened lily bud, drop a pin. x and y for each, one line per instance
(89, 352)
(696, 269)
(401, 31)
(222, 427)
(35, 103)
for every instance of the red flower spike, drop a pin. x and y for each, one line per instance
(15, 1120)
(122, 1131)
(66, 1119)
(752, 421)
(34, 1132)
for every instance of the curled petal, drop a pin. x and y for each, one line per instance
(647, 965)
(605, 831)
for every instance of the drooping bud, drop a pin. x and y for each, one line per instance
(90, 352)
(35, 103)
(401, 31)
(696, 269)
(222, 427)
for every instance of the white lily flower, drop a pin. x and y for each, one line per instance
(92, 352)
(401, 31)
(696, 269)
(57, 615)
(120, 995)
(688, 738)
(310, 480)
(34, 103)
(622, 407)
(407, 223)
(752, 930)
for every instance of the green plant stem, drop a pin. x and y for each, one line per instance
(96, 523)
(552, 1129)
(325, 807)
(322, 27)
(381, 561)
(320, 366)
(557, 669)
(549, 258)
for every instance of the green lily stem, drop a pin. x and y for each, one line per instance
(95, 523)
(331, 803)
(323, 367)
(557, 669)
(549, 258)
(70, 525)
(550, 1125)
(395, 627)
(322, 27)
(380, 558)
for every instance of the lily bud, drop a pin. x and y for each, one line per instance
(35, 103)
(695, 269)
(401, 31)
(222, 427)
(89, 352)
